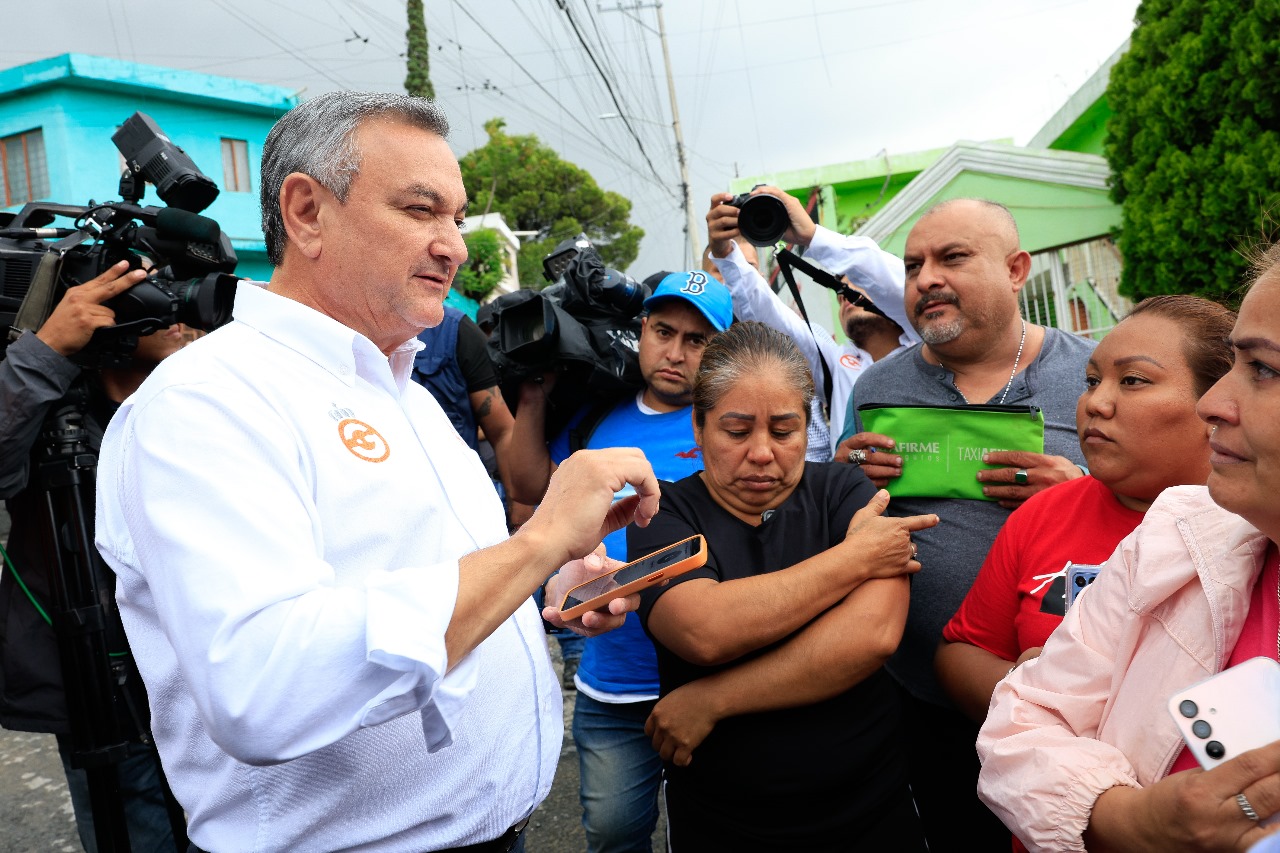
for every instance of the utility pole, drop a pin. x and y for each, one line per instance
(691, 227)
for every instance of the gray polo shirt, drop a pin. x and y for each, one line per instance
(952, 552)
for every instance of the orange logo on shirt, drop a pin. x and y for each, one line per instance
(850, 361)
(363, 441)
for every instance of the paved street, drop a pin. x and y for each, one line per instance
(35, 810)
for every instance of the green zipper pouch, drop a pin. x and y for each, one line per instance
(942, 446)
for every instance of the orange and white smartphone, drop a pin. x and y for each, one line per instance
(1229, 713)
(684, 556)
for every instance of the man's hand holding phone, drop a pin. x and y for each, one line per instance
(578, 572)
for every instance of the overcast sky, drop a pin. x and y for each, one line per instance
(761, 86)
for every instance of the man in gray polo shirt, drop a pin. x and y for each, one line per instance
(964, 269)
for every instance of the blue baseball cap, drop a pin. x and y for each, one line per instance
(702, 291)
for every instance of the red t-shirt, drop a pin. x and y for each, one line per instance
(1018, 597)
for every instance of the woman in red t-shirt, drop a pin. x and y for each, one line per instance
(1140, 434)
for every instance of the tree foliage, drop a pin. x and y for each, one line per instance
(535, 190)
(1193, 143)
(483, 270)
(417, 79)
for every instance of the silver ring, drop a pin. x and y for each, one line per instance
(914, 550)
(1247, 808)
(857, 456)
(1021, 477)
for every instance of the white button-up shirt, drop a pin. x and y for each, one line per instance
(285, 511)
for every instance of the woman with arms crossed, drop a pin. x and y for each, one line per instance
(778, 724)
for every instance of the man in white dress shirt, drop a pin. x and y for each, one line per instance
(314, 572)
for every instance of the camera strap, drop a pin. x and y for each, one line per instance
(38, 304)
(787, 258)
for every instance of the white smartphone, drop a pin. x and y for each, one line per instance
(1229, 713)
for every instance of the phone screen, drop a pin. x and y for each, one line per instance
(633, 571)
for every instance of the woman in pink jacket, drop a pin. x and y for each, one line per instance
(1079, 750)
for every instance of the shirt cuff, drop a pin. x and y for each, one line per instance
(407, 620)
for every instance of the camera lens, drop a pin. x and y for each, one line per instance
(1188, 709)
(1214, 749)
(763, 219)
(1201, 729)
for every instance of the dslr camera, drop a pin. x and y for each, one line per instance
(188, 257)
(762, 218)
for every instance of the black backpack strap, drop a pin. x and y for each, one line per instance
(581, 432)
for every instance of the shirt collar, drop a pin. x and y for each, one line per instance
(342, 351)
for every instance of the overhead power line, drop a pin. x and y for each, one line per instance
(569, 114)
(622, 112)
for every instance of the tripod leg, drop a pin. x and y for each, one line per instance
(109, 829)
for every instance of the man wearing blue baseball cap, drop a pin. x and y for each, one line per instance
(617, 678)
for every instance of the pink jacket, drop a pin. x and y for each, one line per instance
(1091, 712)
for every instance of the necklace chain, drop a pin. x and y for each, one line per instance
(1017, 359)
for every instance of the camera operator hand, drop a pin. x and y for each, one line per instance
(722, 225)
(722, 220)
(81, 312)
(802, 225)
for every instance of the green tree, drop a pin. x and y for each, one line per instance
(417, 80)
(483, 270)
(535, 190)
(1193, 143)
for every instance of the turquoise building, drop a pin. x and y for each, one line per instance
(57, 116)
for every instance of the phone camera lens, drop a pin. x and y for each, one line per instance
(1214, 749)
(1188, 709)
(1201, 729)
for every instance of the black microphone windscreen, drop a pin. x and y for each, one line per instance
(173, 222)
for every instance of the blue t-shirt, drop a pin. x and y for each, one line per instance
(623, 660)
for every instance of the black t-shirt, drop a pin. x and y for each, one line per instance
(795, 778)
(472, 351)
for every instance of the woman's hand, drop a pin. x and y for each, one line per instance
(883, 544)
(680, 722)
(1195, 810)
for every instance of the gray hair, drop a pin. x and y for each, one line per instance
(318, 138)
(748, 349)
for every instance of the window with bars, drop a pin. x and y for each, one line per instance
(23, 170)
(1076, 288)
(235, 165)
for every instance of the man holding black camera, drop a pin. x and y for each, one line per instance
(36, 373)
(876, 273)
(617, 678)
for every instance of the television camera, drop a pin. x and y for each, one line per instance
(188, 257)
(585, 325)
(189, 261)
